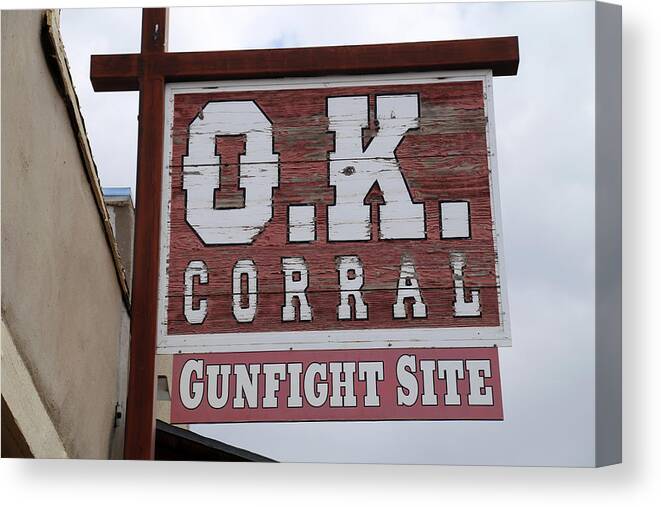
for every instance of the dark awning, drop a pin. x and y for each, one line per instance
(178, 444)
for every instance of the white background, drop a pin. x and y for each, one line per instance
(635, 482)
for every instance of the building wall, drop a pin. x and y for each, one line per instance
(163, 387)
(63, 310)
(122, 218)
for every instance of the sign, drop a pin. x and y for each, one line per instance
(361, 385)
(317, 214)
(181, 256)
(356, 217)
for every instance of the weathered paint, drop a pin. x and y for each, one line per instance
(242, 156)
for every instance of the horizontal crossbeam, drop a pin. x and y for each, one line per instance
(122, 72)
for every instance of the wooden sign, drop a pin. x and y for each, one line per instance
(346, 213)
(347, 222)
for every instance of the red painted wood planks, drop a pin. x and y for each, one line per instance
(445, 159)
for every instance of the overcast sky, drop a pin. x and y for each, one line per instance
(545, 143)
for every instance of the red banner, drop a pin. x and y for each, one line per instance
(337, 385)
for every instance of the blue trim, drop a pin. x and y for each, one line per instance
(116, 191)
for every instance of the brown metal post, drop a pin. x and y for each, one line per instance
(140, 420)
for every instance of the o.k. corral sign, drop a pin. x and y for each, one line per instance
(317, 231)
(331, 249)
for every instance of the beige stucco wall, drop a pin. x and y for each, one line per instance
(163, 396)
(61, 300)
(122, 217)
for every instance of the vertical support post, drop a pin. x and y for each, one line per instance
(140, 419)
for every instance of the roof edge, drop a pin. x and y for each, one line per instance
(211, 443)
(58, 64)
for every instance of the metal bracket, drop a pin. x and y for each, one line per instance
(118, 414)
